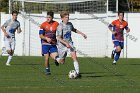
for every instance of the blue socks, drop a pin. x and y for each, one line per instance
(117, 56)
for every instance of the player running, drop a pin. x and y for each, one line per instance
(118, 35)
(47, 34)
(9, 28)
(65, 42)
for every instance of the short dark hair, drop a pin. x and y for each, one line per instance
(14, 12)
(121, 12)
(50, 13)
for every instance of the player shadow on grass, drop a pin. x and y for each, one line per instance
(27, 64)
(93, 74)
(130, 64)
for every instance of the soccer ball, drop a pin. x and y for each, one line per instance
(72, 74)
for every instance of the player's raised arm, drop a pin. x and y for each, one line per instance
(79, 32)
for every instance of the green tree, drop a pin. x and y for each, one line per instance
(3, 5)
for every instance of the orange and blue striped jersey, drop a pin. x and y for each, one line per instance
(119, 27)
(49, 30)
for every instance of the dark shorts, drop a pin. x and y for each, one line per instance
(118, 43)
(48, 49)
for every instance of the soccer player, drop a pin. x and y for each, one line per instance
(65, 42)
(9, 28)
(118, 35)
(47, 34)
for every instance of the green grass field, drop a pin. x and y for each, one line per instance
(26, 75)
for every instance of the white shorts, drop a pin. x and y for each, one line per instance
(63, 50)
(10, 44)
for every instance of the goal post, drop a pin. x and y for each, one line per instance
(89, 16)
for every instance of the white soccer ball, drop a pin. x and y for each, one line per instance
(72, 74)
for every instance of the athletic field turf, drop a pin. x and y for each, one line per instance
(26, 75)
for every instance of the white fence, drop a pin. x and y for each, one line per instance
(98, 43)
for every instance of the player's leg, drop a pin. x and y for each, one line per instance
(113, 51)
(9, 51)
(45, 52)
(62, 53)
(117, 51)
(75, 61)
(54, 54)
(47, 65)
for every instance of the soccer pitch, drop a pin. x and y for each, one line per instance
(26, 75)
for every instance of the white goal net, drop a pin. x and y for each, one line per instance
(89, 16)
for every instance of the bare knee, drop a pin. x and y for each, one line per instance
(62, 61)
(73, 56)
(118, 49)
(10, 52)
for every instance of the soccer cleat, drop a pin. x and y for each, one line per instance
(112, 54)
(79, 75)
(48, 72)
(7, 64)
(56, 63)
(113, 63)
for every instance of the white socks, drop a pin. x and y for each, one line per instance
(114, 61)
(58, 60)
(9, 59)
(76, 66)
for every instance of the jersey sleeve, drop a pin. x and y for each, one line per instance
(73, 29)
(59, 30)
(126, 27)
(112, 24)
(41, 31)
(41, 26)
(18, 26)
(6, 23)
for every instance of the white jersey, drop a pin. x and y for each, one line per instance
(11, 27)
(64, 30)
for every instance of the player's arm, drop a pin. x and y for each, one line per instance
(78, 32)
(59, 36)
(3, 29)
(19, 29)
(63, 41)
(41, 35)
(110, 27)
(127, 28)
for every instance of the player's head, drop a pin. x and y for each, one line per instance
(50, 16)
(14, 15)
(121, 15)
(64, 16)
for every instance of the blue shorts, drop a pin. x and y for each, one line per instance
(118, 43)
(48, 49)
